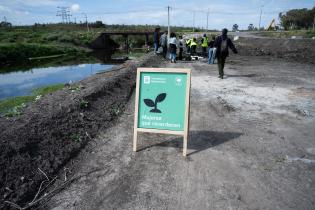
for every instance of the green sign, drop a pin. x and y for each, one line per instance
(162, 100)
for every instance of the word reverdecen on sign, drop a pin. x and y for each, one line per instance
(151, 120)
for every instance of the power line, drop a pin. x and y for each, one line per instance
(86, 21)
(168, 23)
(260, 16)
(194, 21)
(64, 13)
(126, 12)
(208, 20)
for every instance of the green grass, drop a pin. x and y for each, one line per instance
(47, 89)
(12, 106)
(8, 104)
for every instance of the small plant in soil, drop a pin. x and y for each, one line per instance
(76, 137)
(83, 104)
(116, 109)
(75, 88)
(15, 111)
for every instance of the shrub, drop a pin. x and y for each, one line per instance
(65, 38)
(51, 37)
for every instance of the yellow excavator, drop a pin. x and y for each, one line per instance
(272, 25)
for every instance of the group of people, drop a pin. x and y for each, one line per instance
(173, 42)
(216, 48)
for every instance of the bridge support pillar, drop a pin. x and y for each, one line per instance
(146, 39)
(126, 43)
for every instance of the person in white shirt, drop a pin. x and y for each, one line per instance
(173, 47)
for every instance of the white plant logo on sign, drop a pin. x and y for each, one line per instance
(146, 79)
(178, 81)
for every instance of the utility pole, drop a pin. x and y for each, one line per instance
(207, 29)
(314, 24)
(168, 24)
(5, 19)
(260, 16)
(193, 21)
(86, 21)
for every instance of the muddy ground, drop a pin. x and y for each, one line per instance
(251, 142)
(297, 50)
(53, 130)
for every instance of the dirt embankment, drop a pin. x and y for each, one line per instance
(298, 50)
(54, 129)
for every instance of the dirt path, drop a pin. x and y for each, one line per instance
(251, 147)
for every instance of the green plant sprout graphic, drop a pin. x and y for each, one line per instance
(158, 99)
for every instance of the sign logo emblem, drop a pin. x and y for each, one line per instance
(178, 81)
(161, 97)
(146, 80)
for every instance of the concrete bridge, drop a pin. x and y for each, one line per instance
(104, 41)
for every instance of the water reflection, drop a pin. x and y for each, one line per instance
(22, 83)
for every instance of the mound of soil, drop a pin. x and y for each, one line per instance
(54, 129)
(298, 50)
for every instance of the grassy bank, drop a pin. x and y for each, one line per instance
(18, 44)
(12, 106)
(50, 42)
(19, 52)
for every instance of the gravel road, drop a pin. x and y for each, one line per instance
(251, 146)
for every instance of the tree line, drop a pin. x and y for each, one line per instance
(298, 19)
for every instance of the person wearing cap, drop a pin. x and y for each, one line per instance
(222, 44)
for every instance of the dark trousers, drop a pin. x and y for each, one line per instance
(188, 49)
(221, 62)
(193, 50)
(180, 55)
(164, 51)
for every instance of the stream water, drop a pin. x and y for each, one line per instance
(22, 82)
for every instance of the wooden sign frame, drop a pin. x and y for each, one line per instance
(183, 133)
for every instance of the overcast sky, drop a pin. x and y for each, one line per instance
(222, 13)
